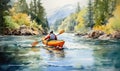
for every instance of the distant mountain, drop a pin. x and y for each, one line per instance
(61, 13)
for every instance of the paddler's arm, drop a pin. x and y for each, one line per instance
(47, 37)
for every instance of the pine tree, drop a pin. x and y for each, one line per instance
(40, 11)
(37, 13)
(90, 15)
(78, 8)
(47, 24)
(22, 6)
(35, 7)
(103, 11)
(31, 9)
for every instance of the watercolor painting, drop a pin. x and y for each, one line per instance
(59, 35)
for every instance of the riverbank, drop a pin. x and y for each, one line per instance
(23, 30)
(99, 35)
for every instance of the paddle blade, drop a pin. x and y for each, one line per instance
(61, 31)
(34, 43)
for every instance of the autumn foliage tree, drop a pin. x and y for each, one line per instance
(113, 23)
(20, 13)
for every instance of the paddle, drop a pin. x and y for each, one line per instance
(36, 42)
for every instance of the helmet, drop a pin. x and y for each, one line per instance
(51, 31)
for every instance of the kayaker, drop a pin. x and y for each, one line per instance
(50, 36)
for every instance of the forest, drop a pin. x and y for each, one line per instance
(21, 18)
(100, 17)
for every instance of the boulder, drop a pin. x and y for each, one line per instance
(105, 37)
(85, 36)
(16, 32)
(35, 32)
(7, 31)
(23, 30)
(80, 34)
(23, 27)
(95, 34)
(116, 35)
(26, 31)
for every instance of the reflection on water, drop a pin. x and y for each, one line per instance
(107, 58)
(16, 54)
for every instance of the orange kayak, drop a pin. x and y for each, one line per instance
(55, 43)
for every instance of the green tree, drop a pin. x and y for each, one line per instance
(82, 21)
(78, 8)
(31, 7)
(37, 13)
(103, 11)
(90, 15)
(40, 11)
(22, 6)
(4, 6)
(68, 23)
(47, 23)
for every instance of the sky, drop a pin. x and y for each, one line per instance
(52, 5)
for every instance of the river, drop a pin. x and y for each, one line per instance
(79, 54)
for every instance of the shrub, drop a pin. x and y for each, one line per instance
(21, 19)
(10, 23)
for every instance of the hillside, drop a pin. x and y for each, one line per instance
(61, 13)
